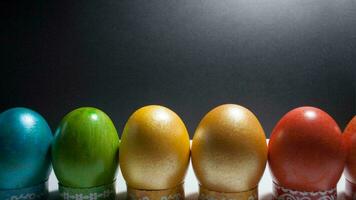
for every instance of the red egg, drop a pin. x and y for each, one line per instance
(306, 151)
(350, 167)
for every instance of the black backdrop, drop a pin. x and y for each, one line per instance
(189, 55)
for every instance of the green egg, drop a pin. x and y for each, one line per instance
(85, 149)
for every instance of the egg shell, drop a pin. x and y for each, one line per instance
(25, 140)
(85, 149)
(306, 151)
(154, 151)
(350, 140)
(229, 150)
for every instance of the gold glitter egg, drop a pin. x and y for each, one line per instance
(229, 153)
(154, 153)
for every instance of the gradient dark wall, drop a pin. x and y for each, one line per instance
(189, 55)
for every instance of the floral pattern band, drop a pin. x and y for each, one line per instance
(281, 193)
(176, 193)
(105, 192)
(37, 192)
(205, 194)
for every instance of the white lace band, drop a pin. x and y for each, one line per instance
(37, 192)
(281, 193)
(105, 192)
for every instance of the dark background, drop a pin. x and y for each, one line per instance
(189, 55)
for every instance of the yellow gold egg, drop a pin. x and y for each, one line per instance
(229, 150)
(154, 150)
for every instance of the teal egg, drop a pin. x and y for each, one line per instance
(25, 140)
